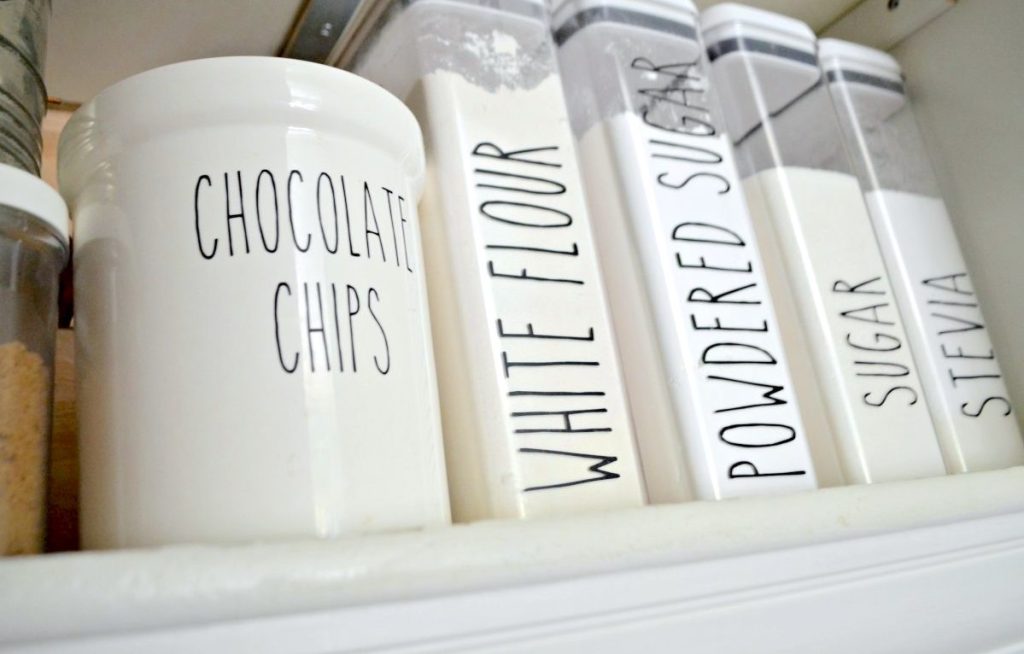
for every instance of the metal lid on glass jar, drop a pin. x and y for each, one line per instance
(27, 193)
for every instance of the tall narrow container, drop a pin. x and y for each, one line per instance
(962, 381)
(534, 409)
(818, 239)
(33, 250)
(715, 404)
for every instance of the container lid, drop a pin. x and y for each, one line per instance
(26, 192)
(531, 8)
(859, 64)
(678, 17)
(226, 91)
(766, 63)
(636, 5)
(729, 21)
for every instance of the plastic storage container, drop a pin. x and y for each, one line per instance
(534, 408)
(23, 27)
(814, 227)
(716, 407)
(254, 353)
(960, 375)
(33, 250)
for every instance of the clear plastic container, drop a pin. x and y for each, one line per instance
(533, 405)
(696, 322)
(818, 240)
(33, 250)
(962, 380)
(23, 28)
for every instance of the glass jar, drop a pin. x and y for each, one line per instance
(33, 250)
(23, 27)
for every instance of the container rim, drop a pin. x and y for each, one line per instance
(23, 191)
(227, 91)
(730, 20)
(836, 54)
(678, 17)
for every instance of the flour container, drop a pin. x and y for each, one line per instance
(33, 250)
(818, 240)
(960, 375)
(534, 409)
(716, 408)
(254, 354)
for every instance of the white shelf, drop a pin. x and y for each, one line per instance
(935, 565)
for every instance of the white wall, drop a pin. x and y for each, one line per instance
(966, 80)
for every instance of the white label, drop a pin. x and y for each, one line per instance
(732, 387)
(547, 429)
(851, 322)
(961, 376)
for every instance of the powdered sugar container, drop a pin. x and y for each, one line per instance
(33, 251)
(717, 409)
(534, 410)
(960, 375)
(253, 347)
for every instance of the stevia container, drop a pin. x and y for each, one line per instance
(536, 420)
(960, 375)
(33, 251)
(818, 241)
(254, 355)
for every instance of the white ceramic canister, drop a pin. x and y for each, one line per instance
(714, 402)
(818, 242)
(961, 377)
(534, 408)
(253, 345)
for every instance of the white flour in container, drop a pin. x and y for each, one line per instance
(534, 410)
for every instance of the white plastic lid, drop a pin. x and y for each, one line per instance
(645, 13)
(843, 55)
(730, 21)
(25, 192)
(633, 5)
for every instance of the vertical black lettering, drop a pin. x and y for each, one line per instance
(310, 329)
(394, 232)
(199, 236)
(405, 243)
(240, 215)
(491, 150)
(291, 214)
(277, 330)
(259, 212)
(348, 218)
(350, 294)
(370, 212)
(372, 296)
(334, 212)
